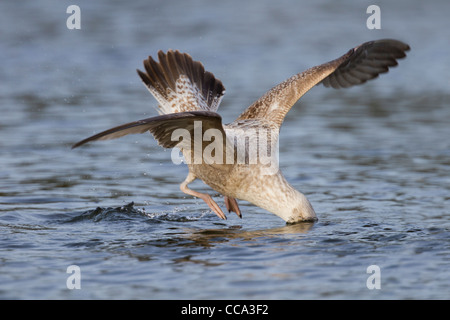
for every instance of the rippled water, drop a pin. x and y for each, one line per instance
(373, 160)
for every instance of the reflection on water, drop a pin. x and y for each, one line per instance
(203, 237)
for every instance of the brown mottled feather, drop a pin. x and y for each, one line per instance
(358, 65)
(181, 84)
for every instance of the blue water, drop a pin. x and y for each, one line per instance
(373, 160)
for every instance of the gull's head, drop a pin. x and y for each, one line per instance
(300, 210)
(276, 195)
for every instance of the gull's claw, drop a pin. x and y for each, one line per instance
(232, 205)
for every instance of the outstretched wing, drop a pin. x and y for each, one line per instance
(162, 127)
(358, 65)
(366, 62)
(181, 84)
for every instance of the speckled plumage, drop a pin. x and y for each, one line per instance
(189, 97)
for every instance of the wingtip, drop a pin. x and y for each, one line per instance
(408, 47)
(76, 145)
(140, 74)
(80, 143)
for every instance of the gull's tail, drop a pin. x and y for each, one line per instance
(180, 84)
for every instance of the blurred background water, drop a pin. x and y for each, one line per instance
(374, 160)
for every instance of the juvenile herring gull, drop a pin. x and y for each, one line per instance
(188, 98)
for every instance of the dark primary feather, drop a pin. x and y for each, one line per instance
(366, 62)
(162, 127)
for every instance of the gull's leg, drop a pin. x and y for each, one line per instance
(205, 197)
(232, 205)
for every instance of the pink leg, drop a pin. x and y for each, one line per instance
(232, 205)
(205, 197)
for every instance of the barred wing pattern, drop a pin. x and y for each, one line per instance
(358, 65)
(180, 84)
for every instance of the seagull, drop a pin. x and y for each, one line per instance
(188, 98)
